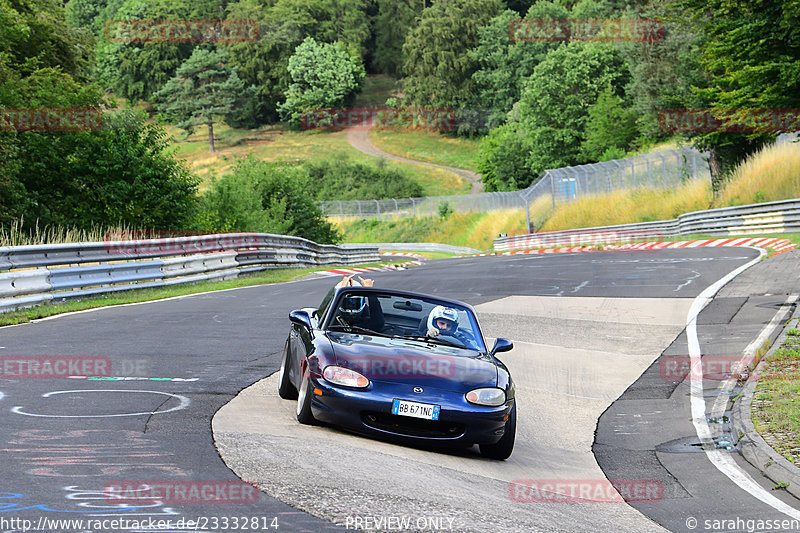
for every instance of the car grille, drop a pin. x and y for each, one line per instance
(413, 427)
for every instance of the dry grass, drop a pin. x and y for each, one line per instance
(428, 146)
(626, 206)
(476, 230)
(15, 236)
(769, 175)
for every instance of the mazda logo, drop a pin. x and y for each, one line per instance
(418, 390)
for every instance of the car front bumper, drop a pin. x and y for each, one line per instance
(369, 411)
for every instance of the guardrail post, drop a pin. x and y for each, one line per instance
(527, 212)
(414, 206)
(378, 206)
(619, 171)
(552, 190)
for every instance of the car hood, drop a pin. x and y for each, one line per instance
(414, 362)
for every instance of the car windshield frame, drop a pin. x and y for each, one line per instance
(328, 324)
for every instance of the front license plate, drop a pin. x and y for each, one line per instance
(417, 410)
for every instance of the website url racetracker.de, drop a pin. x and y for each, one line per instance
(200, 523)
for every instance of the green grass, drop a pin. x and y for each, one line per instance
(776, 404)
(158, 293)
(377, 88)
(280, 144)
(427, 146)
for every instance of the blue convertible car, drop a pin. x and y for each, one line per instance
(400, 365)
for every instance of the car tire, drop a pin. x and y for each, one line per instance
(286, 390)
(304, 415)
(502, 449)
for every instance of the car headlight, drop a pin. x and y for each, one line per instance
(340, 375)
(490, 397)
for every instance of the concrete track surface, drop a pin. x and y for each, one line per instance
(335, 475)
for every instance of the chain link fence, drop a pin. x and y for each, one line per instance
(664, 169)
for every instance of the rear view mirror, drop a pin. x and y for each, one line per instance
(408, 306)
(300, 318)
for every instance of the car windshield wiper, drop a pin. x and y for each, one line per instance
(349, 328)
(435, 340)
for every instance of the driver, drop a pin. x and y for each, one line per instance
(444, 321)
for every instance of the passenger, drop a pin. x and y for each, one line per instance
(360, 311)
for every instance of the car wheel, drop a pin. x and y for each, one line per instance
(304, 415)
(286, 390)
(502, 449)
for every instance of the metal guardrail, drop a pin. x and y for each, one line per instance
(32, 275)
(768, 217)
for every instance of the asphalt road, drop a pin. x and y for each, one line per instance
(64, 440)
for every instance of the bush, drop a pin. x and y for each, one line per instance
(265, 197)
(341, 179)
(503, 160)
(121, 174)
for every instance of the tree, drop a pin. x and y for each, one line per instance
(203, 89)
(136, 70)
(505, 63)
(608, 125)
(395, 19)
(34, 34)
(751, 49)
(664, 74)
(121, 174)
(323, 76)
(283, 24)
(438, 67)
(554, 107)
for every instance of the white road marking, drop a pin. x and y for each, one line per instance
(688, 281)
(722, 461)
(579, 287)
(184, 402)
(747, 357)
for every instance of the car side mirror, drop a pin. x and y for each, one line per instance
(301, 318)
(501, 345)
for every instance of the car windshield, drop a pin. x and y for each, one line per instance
(402, 316)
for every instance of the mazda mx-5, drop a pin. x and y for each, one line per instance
(400, 365)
